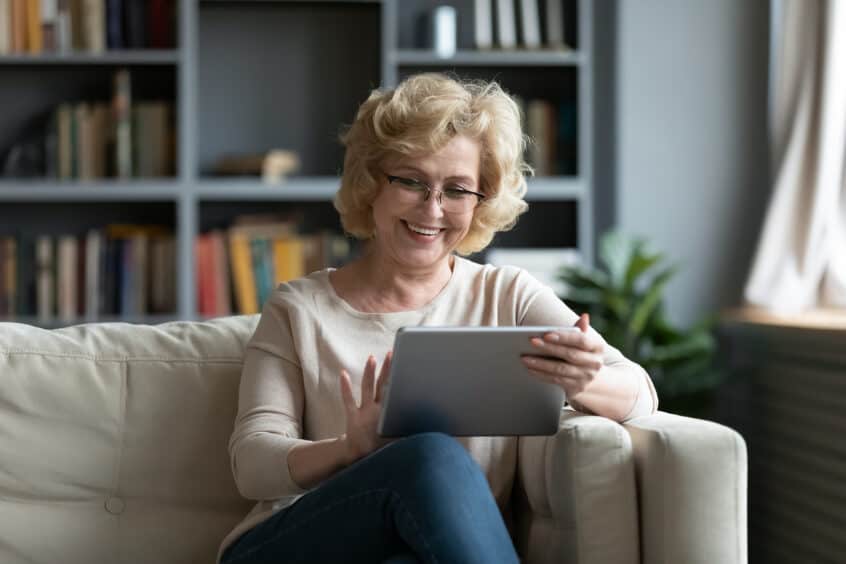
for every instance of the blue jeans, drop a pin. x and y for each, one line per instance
(418, 499)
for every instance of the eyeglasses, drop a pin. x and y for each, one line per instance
(452, 199)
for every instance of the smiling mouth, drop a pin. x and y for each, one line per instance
(421, 230)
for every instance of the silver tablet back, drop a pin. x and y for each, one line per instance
(468, 381)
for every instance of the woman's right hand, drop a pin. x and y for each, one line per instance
(362, 437)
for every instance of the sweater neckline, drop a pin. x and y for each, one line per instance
(394, 315)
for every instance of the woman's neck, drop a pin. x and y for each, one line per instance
(377, 286)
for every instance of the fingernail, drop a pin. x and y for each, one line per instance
(552, 337)
(529, 360)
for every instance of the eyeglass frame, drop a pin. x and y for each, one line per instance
(404, 179)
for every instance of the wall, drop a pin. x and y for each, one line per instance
(691, 167)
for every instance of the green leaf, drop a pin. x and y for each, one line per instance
(583, 295)
(579, 278)
(616, 251)
(650, 301)
(640, 263)
(692, 345)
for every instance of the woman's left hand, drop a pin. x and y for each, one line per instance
(569, 359)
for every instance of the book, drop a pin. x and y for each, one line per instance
(18, 25)
(160, 23)
(135, 24)
(93, 273)
(64, 34)
(94, 25)
(66, 278)
(242, 273)
(540, 119)
(49, 19)
(45, 278)
(483, 24)
(114, 24)
(220, 273)
(5, 27)
(555, 24)
(65, 141)
(205, 276)
(530, 24)
(506, 24)
(8, 277)
(34, 39)
(122, 119)
(150, 125)
(162, 283)
(288, 258)
(262, 268)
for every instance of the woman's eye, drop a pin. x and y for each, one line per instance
(456, 193)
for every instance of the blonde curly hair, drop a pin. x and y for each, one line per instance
(419, 117)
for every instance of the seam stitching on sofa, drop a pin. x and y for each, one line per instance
(736, 497)
(577, 499)
(664, 450)
(227, 360)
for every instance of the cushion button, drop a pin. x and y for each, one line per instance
(115, 505)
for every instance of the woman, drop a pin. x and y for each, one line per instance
(432, 168)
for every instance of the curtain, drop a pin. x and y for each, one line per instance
(800, 261)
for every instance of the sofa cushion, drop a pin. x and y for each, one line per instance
(113, 441)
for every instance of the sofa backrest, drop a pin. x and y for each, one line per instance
(113, 441)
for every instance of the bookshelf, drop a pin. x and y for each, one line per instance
(249, 76)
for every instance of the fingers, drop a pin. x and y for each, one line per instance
(572, 355)
(584, 322)
(368, 382)
(384, 375)
(347, 393)
(586, 341)
(553, 367)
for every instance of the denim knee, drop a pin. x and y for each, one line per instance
(436, 455)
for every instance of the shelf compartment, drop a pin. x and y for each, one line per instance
(31, 104)
(297, 87)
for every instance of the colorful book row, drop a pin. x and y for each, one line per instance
(120, 270)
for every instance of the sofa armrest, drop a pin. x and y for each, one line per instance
(575, 499)
(692, 480)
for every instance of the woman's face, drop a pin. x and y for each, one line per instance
(415, 233)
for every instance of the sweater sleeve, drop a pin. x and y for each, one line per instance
(545, 308)
(270, 410)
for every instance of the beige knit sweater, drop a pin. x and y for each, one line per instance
(290, 391)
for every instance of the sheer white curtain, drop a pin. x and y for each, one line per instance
(800, 261)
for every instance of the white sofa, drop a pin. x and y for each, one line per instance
(113, 450)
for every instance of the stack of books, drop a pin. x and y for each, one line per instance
(122, 138)
(119, 270)
(44, 26)
(250, 258)
(553, 130)
(529, 24)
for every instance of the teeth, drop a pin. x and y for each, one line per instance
(422, 230)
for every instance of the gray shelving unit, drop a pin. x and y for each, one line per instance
(254, 75)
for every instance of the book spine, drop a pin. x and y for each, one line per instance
(44, 278)
(242, 274)
(122, 115)
(483, 24)
(506, 24)
(5, 27)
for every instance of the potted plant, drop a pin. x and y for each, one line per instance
(624, 297)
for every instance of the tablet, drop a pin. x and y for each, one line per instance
(468, 381)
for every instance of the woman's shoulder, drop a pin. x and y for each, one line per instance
(494, 277)
(301, 292)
